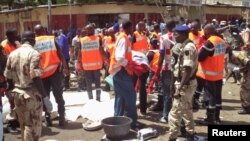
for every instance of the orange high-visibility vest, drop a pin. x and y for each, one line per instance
(114, 66)
(196, 38)
(90, 51)
(8, 48)
(212, 68)
(155, 60)
(141, 43)
(110, 44)
(50, 61)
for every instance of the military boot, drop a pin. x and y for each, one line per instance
(98, 95)
(196, 104)
(183, 129)
(61, 120)
(48, 121)
(217, 115)
(210, 120)
(191, 137)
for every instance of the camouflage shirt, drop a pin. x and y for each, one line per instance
(188, 58)
(23, 65)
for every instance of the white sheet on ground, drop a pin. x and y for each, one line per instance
(77, 104)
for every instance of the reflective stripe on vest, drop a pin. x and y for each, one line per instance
(51, 67)
(90, 53)
(212, 68)
(92, 64)
(45, 45)
(210, 72)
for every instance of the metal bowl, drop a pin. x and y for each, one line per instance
(116, 127)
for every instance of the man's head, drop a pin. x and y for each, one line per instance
(29, 37)
(156, 27)
(141, 26)
(127, 26)
(223, 23)
(83, 32)
(209, 30)
(170, 25)
(60, 31)
(111, 31)
(56, 33)
(181, 33)
(90, 30)
(214, 21)
(39, 30)
(195, 27)
(11, 35)
(78, 32)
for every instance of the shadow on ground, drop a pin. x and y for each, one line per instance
(231, 100)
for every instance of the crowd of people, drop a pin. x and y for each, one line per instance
(184, 61)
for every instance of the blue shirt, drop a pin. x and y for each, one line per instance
(63, 43)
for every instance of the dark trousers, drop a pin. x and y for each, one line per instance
(93, 76)
(167, 100)
(55, 83)
(125, 96)
(213, 90)
(66, 78)
(142, 90)
(199, 89)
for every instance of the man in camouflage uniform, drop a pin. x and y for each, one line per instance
(77, 50)
(242, 58)
(185, 85)
(23, 68)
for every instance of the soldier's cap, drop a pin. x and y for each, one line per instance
(181, 28)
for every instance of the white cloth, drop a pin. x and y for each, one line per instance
(166, 44)
(75, 41)
(139, 58)
(120, 51)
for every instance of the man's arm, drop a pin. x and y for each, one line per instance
(133, 40)
(101, 48)
(206, 50)
(35, 73)
(189, 52)
(60, 55)
(221, 30)
(120, 52)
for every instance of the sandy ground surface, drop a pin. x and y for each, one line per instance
(73, 131)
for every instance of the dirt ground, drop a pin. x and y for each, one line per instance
(73, 131)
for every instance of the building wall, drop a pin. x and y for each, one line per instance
(23, 20)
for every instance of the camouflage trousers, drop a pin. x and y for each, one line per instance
(245, 91)
(81, 79)
(28, 106)
(182, 109)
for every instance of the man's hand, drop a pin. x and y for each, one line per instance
(65, 71)
(48, 104)
(177, 93)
